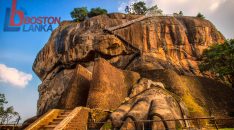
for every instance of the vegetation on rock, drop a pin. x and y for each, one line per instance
(154, 10)
(219, 59)
(80, 14)
(200, 15)
(96, 11)
(178, 14)
(181, 13)
(140, 8)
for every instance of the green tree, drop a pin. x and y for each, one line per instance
(219, 59)
(96, 11)
(199, 15)
(7, 114)
(79, 14)
(154, 10)
(139, 8)
(2, 102)
(181, 13)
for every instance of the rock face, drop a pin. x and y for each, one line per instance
(173, 42)
(109, 84)
(67, 90)
(203, 96)
(77, 93)
(51, 91)
(141, 67)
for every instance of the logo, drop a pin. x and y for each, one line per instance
(16, 20)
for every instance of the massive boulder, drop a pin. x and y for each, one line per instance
(116, 60)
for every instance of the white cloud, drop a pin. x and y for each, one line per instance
(214, 6)
(14, 77)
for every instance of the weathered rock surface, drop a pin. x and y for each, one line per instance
(145, 64)
(67, 90)
(109, 86)
(73, 42)
(203, 96)
(174, 42)
(51, 91)
(77, 93)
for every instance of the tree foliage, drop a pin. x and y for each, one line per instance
(96, 11)
(219, 59)
(200, 15)
(139, 7)
(154, 10)
(181, 13)
(7, 114)
(178, 14)
(79, 14)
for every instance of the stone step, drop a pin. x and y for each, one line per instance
(67, 113)
(49, 126)
(62, 116)
(54, 123)
(46, 129)
(58, 119)
(67, 110)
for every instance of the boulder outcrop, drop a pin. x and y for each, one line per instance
(66, 90)
(139, 67)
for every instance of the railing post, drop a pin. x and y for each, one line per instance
(216, 126)
(143, 127)
(198, 123)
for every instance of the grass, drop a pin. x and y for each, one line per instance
(193, 107)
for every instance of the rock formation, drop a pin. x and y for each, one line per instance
(136, 66)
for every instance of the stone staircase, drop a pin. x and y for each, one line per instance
(56, 121)
(128, 23)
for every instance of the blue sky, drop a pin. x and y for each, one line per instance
(19, 49)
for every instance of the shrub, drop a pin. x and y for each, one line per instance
(79, 14)
(199, 15)
(96, 12)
